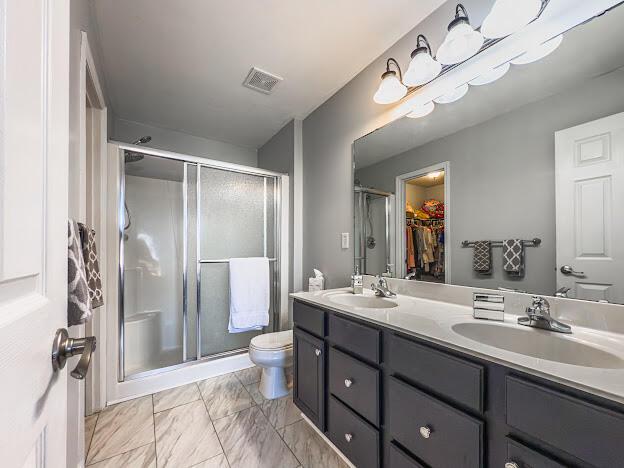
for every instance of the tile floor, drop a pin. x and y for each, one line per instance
(222, 422)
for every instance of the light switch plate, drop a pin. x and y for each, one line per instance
(344, 240)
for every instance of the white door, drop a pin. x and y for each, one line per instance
(589, 167)
(34, 133)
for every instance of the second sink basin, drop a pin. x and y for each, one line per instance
(363, 301)
(539, 344)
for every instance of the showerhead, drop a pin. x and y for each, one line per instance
(142, 140)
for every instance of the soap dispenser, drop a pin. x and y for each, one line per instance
(357, 281)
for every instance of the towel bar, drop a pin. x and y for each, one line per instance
(535, 242)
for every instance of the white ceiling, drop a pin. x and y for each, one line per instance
(180, 64)
(587, 51)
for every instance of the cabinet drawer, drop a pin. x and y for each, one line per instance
(309, 318)
(399, 459)
(362, 448)
(446, 375)
(583, 429)
(455, 440)
(525, 457)
(355, 383)
(357, 338)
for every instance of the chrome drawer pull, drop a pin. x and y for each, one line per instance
(348, 383)
(348, 437)
(511, 465)
(425, 431)
(317, 352)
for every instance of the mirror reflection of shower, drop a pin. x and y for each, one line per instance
(132, 157)
(373, 226)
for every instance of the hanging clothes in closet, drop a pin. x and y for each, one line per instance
(425, 249)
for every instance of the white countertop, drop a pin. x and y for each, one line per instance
(433, 321)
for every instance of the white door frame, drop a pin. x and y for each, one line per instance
(400, 182)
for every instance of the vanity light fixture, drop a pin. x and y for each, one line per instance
(423, 67)
(453, 95)
(539, 52)
(491, 75)
(509, 16)
(421, 111)
(390, 89)
(462, 40)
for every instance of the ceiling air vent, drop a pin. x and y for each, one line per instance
(261, 81)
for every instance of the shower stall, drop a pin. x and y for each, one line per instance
(180, 220)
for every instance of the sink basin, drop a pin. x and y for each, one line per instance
(539, 344)
(363, 302)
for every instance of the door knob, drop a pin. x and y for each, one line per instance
(65, 347)
(568, 270)
(317, 352)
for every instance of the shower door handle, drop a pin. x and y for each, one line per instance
(65, 347)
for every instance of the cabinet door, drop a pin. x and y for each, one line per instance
(309, 376)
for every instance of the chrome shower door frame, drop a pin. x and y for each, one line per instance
(189, 358)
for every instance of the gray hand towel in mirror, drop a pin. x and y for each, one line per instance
(482, 257)
(92, 266)
(513, 257)
(78, 303)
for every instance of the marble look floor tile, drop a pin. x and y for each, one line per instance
(142, 457)
(249, 376)
(224, 395)
(185, 436)
(309, 448)
(173, 397)
(281, 411)
(215, 462)
(89, 429)
(249, 441)
(254, 391)
(121, 428)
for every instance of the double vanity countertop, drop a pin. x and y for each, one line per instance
(589, 360)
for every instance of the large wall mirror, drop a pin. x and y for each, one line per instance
(519, 184)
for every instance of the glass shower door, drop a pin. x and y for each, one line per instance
(236, 218)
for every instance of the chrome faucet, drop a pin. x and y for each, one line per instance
(562, 292)
(381, 288)
(538, 316)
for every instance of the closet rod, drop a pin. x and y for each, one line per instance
(527, 243)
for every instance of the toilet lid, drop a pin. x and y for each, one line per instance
(277, 340)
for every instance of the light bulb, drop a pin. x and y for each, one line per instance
(539, 52)
(509, 16)
(422, 69)
(453, 95)
(461, 43)
(491, 75)
(390, 89)
(421, 111)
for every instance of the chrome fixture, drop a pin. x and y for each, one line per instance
(425, 432)
(391, 89)
(511, 465)
(410, 276)
(357, 281)
(562, 292)
(381, 288)
(568, 270)
(488, 306)
(348, 383)
(538, 316)
(133, 156)
(65, 347)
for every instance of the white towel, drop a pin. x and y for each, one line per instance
(249, 294)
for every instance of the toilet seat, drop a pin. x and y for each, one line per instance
(273, 341)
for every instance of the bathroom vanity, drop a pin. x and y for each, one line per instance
(392, 385)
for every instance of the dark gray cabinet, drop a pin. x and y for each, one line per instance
(390, 399)
(309, 376)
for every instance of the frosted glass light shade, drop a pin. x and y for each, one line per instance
(491, 75)
(509, 16)
(539, 52)
(421, 111)
(461, 43)
(390, 89)
(422, 69)
(453, 95)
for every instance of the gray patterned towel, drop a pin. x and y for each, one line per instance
(482, 257)
(92, 266)
(78, 304)
(513, 257)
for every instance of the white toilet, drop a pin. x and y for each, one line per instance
(274, 353)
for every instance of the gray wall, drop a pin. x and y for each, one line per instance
(277, 155)
(127, 131)
(328, 134)
(502, 179)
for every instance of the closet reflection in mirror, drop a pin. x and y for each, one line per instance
(518, 185)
